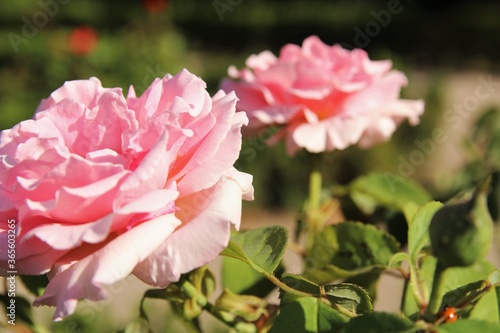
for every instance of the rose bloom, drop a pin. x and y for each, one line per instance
(322, 97)
(101, 186)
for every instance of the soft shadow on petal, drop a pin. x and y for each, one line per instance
(113, 262)
(204, 234)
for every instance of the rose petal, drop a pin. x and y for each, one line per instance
(115, 261)
(207, 217)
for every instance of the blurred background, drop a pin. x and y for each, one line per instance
(446, 48)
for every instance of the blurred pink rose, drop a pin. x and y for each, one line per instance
(102, 186)
(325, 97)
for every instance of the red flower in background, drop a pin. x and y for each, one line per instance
(83, 40)
(155, 6)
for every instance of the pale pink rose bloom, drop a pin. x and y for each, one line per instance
(322, 97)
(102, 186)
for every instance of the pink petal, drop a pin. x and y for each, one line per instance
(311, 136)
(113, 262)
(68, 236)
(207, 217)
(218, 151)
(150, 174)
(261, 61)
(68, 117)
(109, 122)
(251, 96)
(86, 92)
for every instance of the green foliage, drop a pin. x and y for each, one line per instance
(202, 282)
(347, 250)
(386, 189)
(352, 252)
(418, 240)
(467, 326)
(241, 278)
(349, 296)
(379, 322)
(461, 232)
(298, 282)
(466, 297)
(308, 314)
(454, 278)
(261, 248)
(418, 233)
(21, 306)
(344, 297)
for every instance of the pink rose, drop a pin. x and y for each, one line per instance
(324, 97)
(102, 186)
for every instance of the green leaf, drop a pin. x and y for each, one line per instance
(418, 232)
(379, 322)
(368, 281)
(398, 258)
(470, 293)
(348, 249)
(487, 123)
(387, 190)
(461, 232)
(349, 296)
(241, 278)
(469, 326)
(308, 315)
(487, 307)
(494, 149)
(494, 278)
(300, 283)
(35, 283)
(261, 248)
(238, 276)
(418, 239)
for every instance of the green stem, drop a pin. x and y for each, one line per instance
(190, 290)
(437, 291)
(403, 298)
(313, 209)
(278, 283)
(296, 292)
